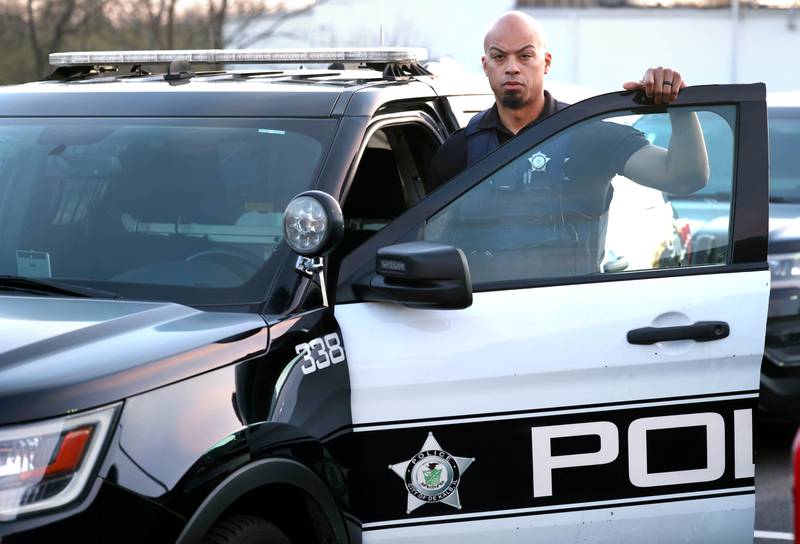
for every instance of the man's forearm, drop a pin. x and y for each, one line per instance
(687, 159)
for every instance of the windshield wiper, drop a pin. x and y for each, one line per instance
(50, 287)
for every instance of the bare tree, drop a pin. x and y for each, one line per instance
(31, 29)
(217, 14)
(49, 22)
(160, 21)
(47, 10)
(15, 60)
(249, 14)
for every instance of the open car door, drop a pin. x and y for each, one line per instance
(608, 402)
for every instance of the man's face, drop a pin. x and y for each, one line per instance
(515, 63)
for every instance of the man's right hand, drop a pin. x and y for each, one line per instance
(661, 84)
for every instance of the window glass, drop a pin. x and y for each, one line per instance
(597, 198)
(188, 203)
(784, 159)
(388, 181)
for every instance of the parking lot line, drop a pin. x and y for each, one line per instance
(773, 535)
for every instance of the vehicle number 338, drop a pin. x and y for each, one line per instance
(320, 353)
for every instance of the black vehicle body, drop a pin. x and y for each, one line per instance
(236, 363)
(216, 413)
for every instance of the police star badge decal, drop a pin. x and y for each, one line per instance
(432, 475)
(538, 161)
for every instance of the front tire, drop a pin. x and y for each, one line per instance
(244, 529)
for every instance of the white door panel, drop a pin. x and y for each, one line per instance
(529, 416)
(552, 347)
(706, 521)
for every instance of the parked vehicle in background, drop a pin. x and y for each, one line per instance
(796, 484)
(780, 372)
(706, 215)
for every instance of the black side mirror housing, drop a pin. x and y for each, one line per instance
(419, 275)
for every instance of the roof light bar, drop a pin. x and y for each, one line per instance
(244, 56)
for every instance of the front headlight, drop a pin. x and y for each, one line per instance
(784, 269)
(46, 464)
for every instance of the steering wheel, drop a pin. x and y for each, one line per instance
(239, 261)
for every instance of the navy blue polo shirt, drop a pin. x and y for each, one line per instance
(597, 151)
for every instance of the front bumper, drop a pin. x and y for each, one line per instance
(109, 514)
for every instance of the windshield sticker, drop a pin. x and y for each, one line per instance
(33, 264)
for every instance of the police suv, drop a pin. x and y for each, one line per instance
(232, 310)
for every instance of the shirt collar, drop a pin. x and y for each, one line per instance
(492, 117)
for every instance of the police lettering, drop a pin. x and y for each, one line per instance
(544, 462)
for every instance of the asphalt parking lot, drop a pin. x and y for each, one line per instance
(773, 482)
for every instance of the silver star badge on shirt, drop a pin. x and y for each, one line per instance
(432, 475)
(538, 161)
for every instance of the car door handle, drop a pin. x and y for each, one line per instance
(702, 331)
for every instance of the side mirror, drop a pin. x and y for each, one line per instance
(419, 275)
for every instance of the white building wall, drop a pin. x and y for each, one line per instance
(596, 47)
(605, 48)
(770, 45)
(601, 48)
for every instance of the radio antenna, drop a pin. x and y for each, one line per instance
(380, 21)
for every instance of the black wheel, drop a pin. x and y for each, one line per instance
(242, 529)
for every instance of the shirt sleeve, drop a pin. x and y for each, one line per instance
(601, 149)
(623, 141)
(597, 152)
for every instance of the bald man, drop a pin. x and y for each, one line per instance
(546, 214)
(515, 61)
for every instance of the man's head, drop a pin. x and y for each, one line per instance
(515, 59)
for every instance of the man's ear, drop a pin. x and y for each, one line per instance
(483, 64)
(548, 58)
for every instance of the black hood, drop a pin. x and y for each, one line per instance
(59, 355)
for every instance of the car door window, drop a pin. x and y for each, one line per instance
(564, 208)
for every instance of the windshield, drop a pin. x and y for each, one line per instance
(187, 210)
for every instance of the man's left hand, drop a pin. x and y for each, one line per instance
(661, 84)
